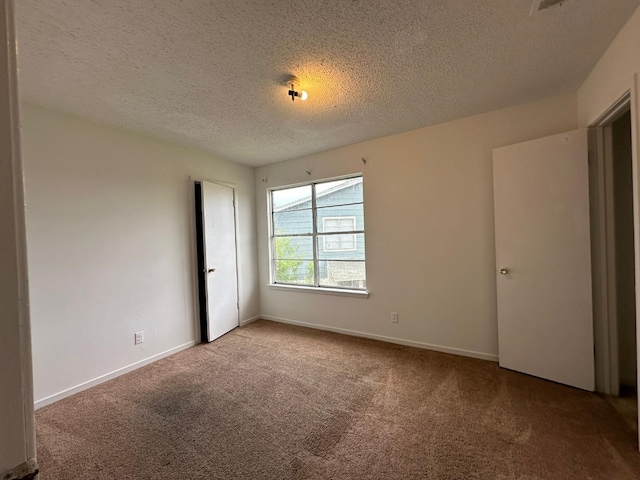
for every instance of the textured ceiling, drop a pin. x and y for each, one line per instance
(208, 73)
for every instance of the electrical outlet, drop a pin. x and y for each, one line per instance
(394, 317)
(139, 338)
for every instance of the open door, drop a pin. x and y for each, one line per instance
(543, 255)
(217, 262)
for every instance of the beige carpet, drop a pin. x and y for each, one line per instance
(272, 401)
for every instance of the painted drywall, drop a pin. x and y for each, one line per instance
(111, 247)
(613, 75)
(429, 230)
(17, 435)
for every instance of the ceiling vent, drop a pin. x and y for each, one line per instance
(540, 5)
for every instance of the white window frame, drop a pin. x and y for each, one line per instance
(316, 287)
(338, 232)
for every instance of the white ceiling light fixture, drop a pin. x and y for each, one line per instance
(291, 82)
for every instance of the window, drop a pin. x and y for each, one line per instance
(339, 243)
(317, 235)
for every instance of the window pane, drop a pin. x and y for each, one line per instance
(294, 198)
(342, 274)
(350, 216)
(294, 271)
(290, 222)
(337, 246)
(293, 248)
(339, 192)
(338, 255)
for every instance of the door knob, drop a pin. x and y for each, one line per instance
(211, 270)
(504, 271)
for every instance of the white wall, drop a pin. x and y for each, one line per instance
(429, 223)
(613, 75)
(110, 244)
(17, 436)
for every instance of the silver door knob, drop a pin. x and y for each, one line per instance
(211, 270)
(504, 271)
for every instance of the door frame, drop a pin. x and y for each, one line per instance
(603, 245)
(17, 420)
(198, 313)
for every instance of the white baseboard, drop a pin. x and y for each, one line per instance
(116, 373)
(399, 341)
(121, 371)
(249, 320)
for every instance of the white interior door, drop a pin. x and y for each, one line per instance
(219, 230)
(543, 255)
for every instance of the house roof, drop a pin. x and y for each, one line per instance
(210, 74)
(296, 196)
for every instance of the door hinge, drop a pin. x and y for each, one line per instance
(238, 305)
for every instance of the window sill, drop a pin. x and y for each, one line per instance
(342, 292)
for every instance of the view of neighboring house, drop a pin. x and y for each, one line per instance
(339, 234)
